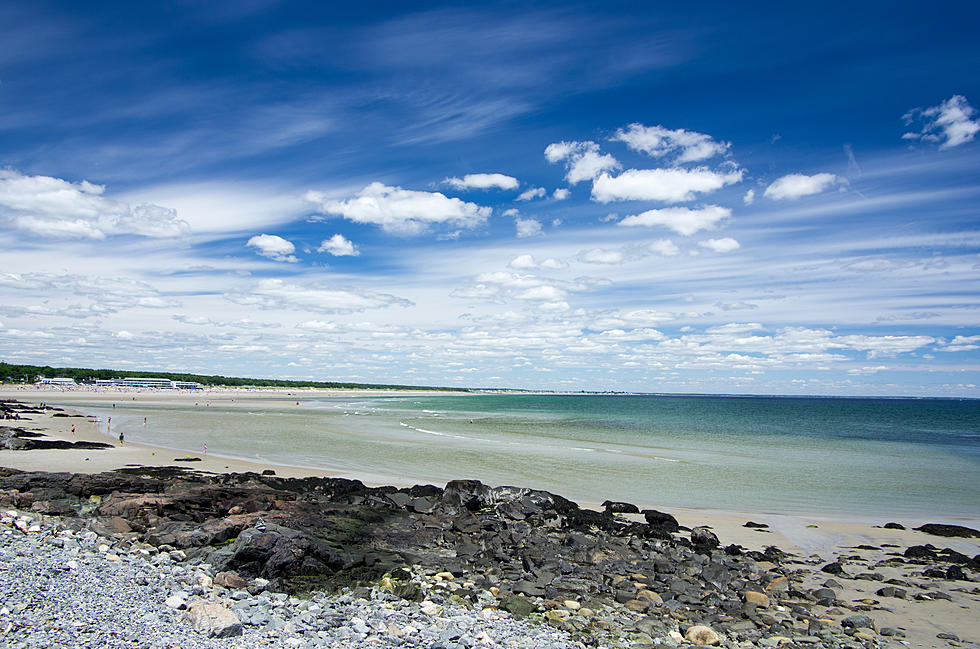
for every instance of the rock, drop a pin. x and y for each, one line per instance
(614, 507)
(892, 591)
(517, 606)
(857, 622)
(701, 635)
(661, 522)
(229, 579)
(777, 584)
(752, 524)
(834, 568)
(650, 596)
(955, 573)
(891, 632)
(703, 539)
(948, 636)
(175, 602)
(894, 526)
(757, 598)
(214, 620)
(940, 529)
(864, 636)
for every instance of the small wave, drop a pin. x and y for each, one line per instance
(579, 448)
(665, 459)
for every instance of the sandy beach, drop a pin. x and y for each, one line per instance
(813, 540)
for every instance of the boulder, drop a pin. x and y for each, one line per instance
(213, 620)
(614, 507)
(701, 635)
(759, 599)
(703, 539)
(940, 529)
(661, 523)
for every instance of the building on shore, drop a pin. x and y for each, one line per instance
(57, 380)
(141, 382)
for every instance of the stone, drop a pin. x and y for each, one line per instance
(517, 606)
(214, 620)
(637, 605)
(703, 539)
(940, 529)
(701, 635)
(894, 526)
(864, 636)
(229, 579)
(833, 568)
(777, 584)
(757, 598)
(857, 622)
(891, 632)
(650, 596)
(892, 591)
(176, 603)
(614, 507)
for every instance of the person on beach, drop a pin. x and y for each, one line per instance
(121, 438)
(205, 448)
(73, 429)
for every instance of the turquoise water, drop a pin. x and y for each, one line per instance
(851, 457)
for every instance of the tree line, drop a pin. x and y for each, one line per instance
(30, 373)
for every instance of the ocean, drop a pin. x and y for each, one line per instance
(849, 457)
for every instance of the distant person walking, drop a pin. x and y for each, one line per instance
(121, 438)
(205, 448)
(73, 429)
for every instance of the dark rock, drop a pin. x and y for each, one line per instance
(614, 507)
(661, 522)
(858, 622)
(704, 540)
(955, 573)
(517, 606)
(892, 591)
(894, 526)
(755, 525)
(268, 472)
(834, 568)
(940, 529)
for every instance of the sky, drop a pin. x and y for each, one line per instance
(703, 198)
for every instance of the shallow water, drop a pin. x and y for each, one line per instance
(850, 457)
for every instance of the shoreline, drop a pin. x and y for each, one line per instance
(811, 541)
(820, 534)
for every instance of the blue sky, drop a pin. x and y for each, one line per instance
(612, 196)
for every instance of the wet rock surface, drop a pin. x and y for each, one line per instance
(331, 562)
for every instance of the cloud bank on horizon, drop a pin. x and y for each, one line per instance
(645, 200)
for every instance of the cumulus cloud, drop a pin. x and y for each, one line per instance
(726, 244)
(56, 208)
(600, 256)
(749, 197)
(582, 159)
(531, 194)
(338, 246)
(666, 185)
(794, 186)
(664, 248)
(682, 220)
(949, 123)
(561, 194)
(402, 210)
(273, 247)
(483, 181)
(961, 344)
(527, 227)
(657, 141)
(278, 294)
(522, 262)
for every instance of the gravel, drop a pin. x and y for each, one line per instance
(61, 587)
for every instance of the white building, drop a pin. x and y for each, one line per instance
(58, 380)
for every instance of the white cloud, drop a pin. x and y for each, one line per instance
(522, 262)
(749, 197)
(531, 194)
(583, 160)
(402, 210)
(667, 185)
(561, 194)
(56, 208)
(527, 227)
(726, 244)
(273, 247)
(338, 246)
(277, 294)
(553, 264)
(682, 220)
(794, 186)
(664, 248)
(961, 344)
(483, 181)
(599, 256)
(657, 141)
(948, 123)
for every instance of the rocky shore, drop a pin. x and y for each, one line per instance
(323, 562)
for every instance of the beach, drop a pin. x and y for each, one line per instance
(815, 540)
